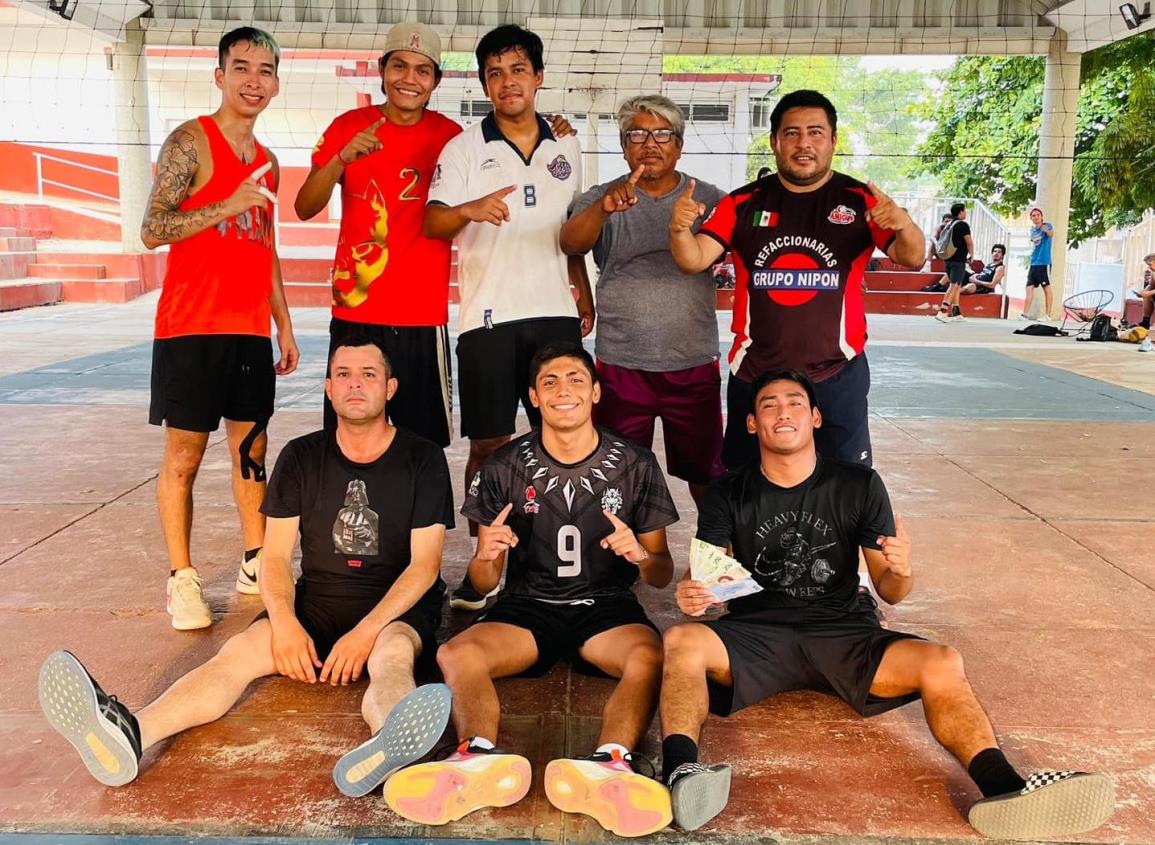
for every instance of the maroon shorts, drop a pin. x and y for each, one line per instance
(689, 404)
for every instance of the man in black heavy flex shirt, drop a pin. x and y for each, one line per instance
(579, 515)
(797, 522)
(371, 503)
(801, 239)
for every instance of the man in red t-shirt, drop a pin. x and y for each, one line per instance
(390, 282)
(800, 238)
(213, 202)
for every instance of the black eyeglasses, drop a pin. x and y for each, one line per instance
(660, 136)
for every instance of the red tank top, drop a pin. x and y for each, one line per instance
(218, 281)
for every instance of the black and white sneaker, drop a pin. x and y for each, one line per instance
(698, 793)
(413, 726)
(466, 597)
(1052, 804)
(99, 727)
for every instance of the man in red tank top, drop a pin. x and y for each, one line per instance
(214, 201)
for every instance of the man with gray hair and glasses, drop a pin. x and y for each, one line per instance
(657, 339)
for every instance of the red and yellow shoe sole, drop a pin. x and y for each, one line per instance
(624, 803)
(444, 791)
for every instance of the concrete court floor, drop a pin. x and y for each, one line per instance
(1022, 466)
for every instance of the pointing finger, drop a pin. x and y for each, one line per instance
(877, 191)
(614, 521)
(637, 174)
(504, 192)
(900, 528)
(376, 125)
(501, 517)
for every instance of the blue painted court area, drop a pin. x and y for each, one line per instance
(910, 382)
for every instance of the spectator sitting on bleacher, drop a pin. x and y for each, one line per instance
(1147, 294)
(988, 278)
(933, 251)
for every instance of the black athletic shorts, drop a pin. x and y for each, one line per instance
(839, 658)
(419, 356)
(842, 399)
(493, 372)
(956, 271)
(982, 288)
(560, 630)
(198, 379)
(327, 620)
(1038, 276)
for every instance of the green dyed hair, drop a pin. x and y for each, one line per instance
(256, 37)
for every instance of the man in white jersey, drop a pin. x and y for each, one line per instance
(501, 191)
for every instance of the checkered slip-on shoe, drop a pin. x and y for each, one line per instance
(99, 727)
(412, 728)
(1052, 804)
(698, 793)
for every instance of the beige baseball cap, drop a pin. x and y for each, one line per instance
(416, 38)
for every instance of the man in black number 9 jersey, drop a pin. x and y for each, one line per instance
(579, 515)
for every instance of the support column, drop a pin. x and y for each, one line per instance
(590, 165)
(1057, 152)
(133, 149)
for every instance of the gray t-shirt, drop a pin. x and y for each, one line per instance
(651, 315)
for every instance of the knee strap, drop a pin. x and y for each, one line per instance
(246, 452)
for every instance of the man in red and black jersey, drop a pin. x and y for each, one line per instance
(801, 239)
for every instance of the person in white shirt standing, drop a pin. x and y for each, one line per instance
(501, 192)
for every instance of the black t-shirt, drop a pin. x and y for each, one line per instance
(557, 514)
(959, 229)
(801, 543)
(356, 518)
(799, 260)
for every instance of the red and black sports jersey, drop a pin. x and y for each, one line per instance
(799, 260)
(557, 514)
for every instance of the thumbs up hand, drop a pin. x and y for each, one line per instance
(686, 209)
(896, 550)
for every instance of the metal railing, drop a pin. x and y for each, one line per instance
(987, 228)
(42, 181)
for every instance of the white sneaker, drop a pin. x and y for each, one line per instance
(942, 317)
(185, 601)
(1026, 318)
(247, 575)
(958, 318)
(1145, 345)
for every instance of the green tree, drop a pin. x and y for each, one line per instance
(985, 141)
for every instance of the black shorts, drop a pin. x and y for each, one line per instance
(198, 379)
(327, 620)
(493, 372)
(842, 399)
(957, 272)
(840, 658)
(1039, 276)
(981, 287)
(419, 356)
(560, 630)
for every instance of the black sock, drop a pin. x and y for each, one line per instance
(1145, 322)
(252, 553)
(676, 750)
(171, 573)
(993, 774)
(955, 310)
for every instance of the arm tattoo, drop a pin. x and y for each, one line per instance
(176, 167)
